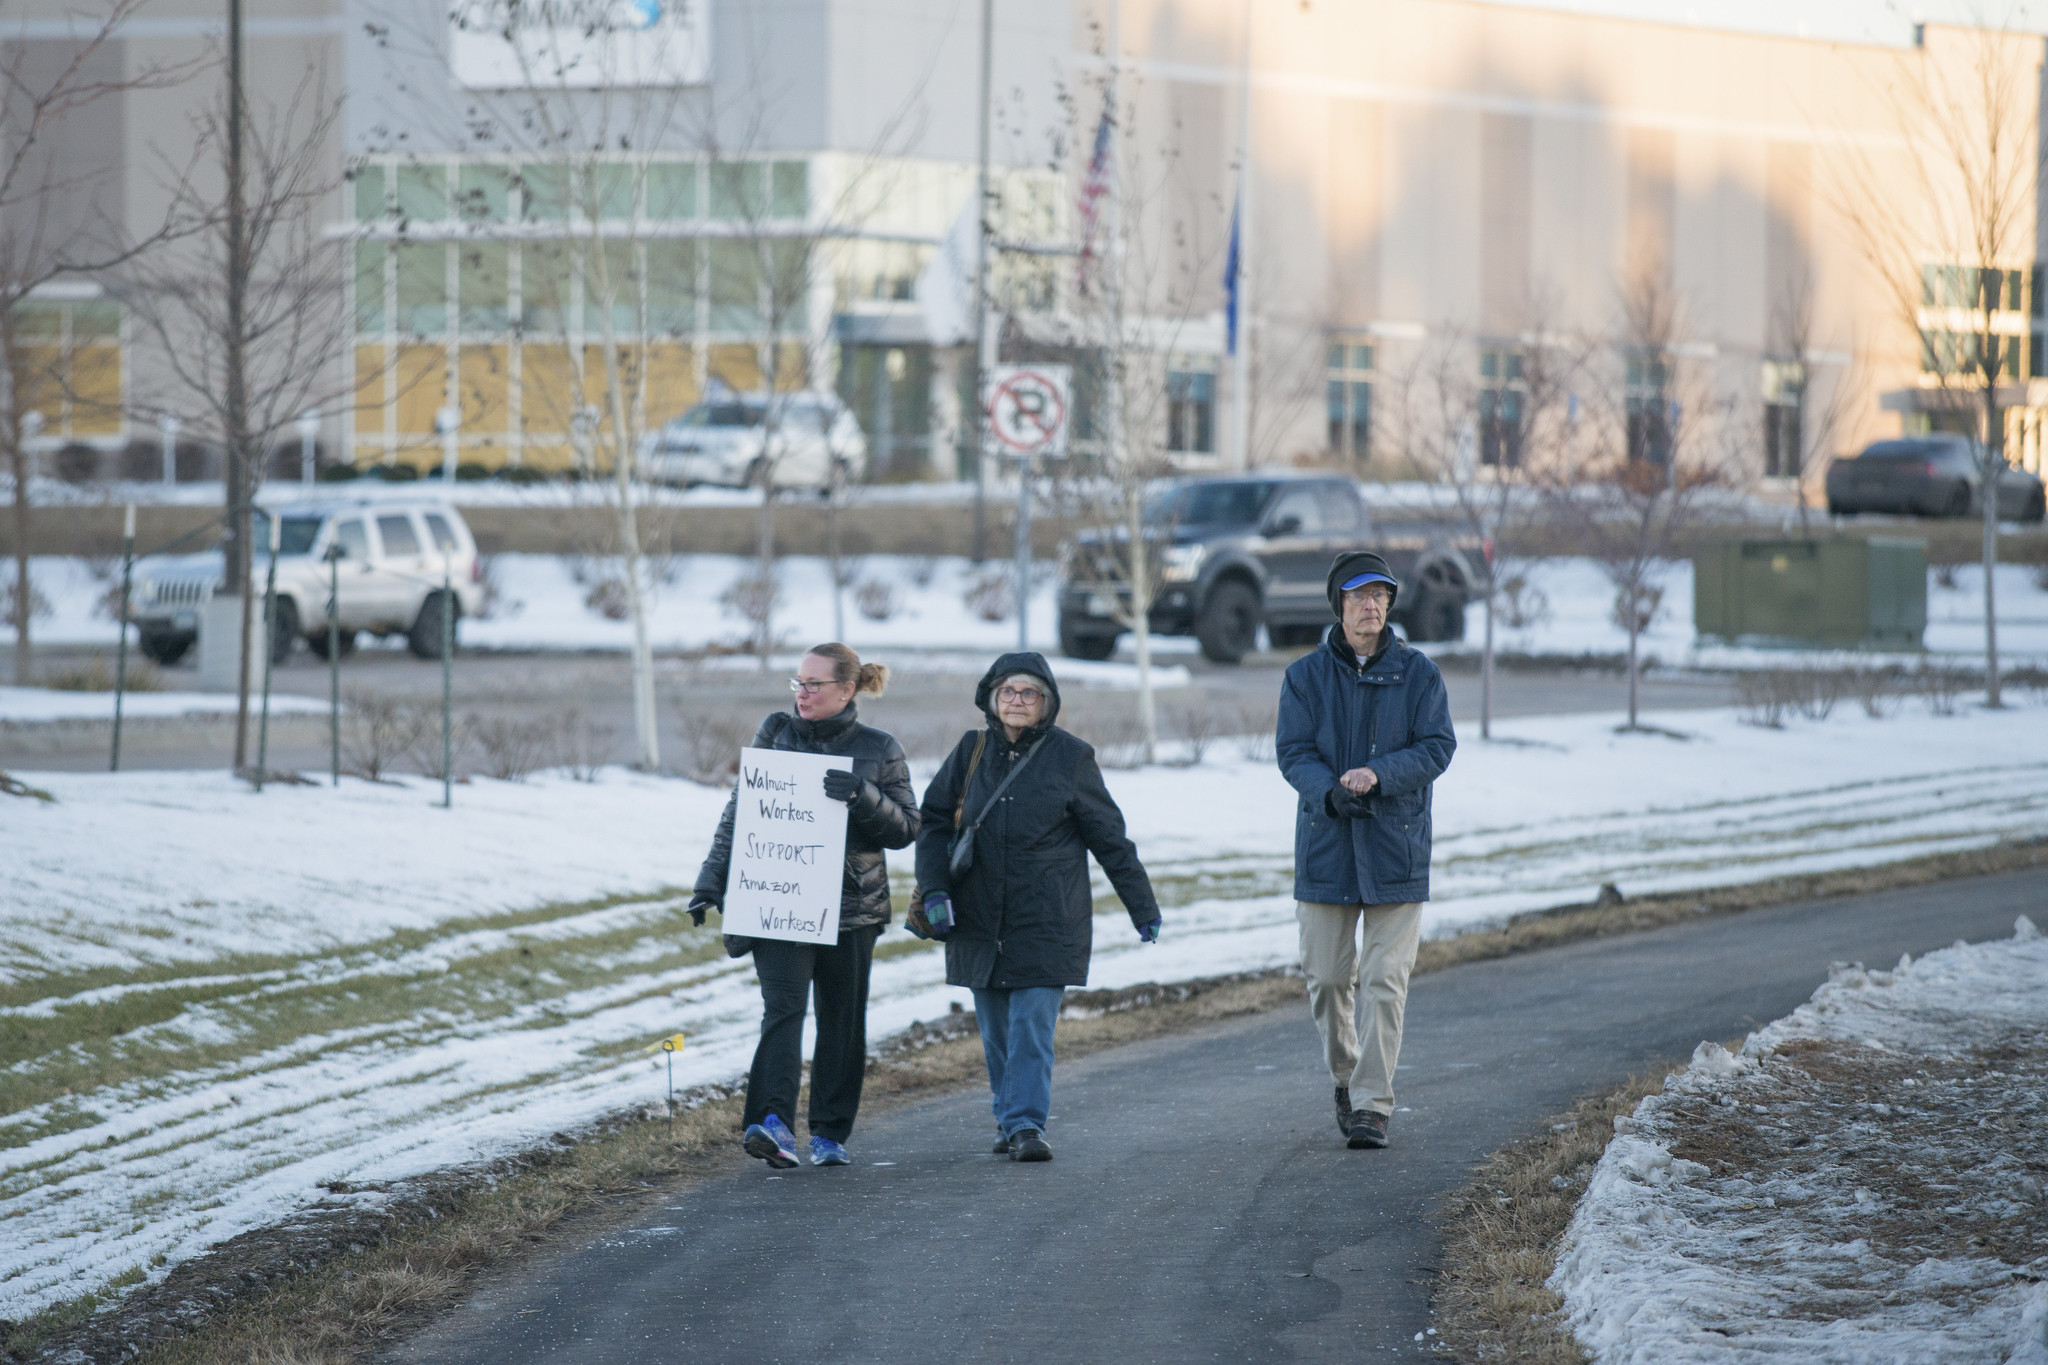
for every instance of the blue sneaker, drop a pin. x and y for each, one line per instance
(826, 1152)
(772, 1142)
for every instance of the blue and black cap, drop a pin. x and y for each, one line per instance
(1355, 569)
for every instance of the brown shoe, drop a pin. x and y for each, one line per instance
(1367, 1129)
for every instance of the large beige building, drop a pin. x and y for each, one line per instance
(1764, 242)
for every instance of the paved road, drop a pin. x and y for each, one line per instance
(1200, 1205)
(926, 709)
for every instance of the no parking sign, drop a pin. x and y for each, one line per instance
(1027, 408)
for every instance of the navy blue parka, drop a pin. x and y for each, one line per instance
(1389, 713)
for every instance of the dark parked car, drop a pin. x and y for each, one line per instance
(1230, 554)
(1929, 476)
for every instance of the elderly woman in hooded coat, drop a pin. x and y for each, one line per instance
(1027, 802)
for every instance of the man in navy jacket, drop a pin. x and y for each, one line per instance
(1365, 729)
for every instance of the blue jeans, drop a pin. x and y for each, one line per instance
(1016, 1039)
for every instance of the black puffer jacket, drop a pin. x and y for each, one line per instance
(1026, 915)
(883, 814)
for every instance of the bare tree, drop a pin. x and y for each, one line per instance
(1481, 419)
(1650, 470)
(1967, 104)
(51, 226)
(245, 318)
(1801, 424)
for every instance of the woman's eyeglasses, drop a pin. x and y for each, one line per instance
(809, 687)
(1022, 695)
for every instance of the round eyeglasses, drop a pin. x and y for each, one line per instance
(811, 687)
(1025, 695)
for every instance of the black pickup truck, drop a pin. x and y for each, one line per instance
(1232, 554)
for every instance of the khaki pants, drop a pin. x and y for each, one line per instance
(1358, 997)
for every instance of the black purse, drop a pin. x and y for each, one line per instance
(963, 839)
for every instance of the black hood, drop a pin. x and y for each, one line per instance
(1350, 565)
(1027, 661)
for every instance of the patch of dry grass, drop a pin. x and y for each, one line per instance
(1501, 1235)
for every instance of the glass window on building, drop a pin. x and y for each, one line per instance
(546, 287)
(369, 193)
(612, 189)
(735, 285)
(544, 186)
(789, 193)
(422, 287)
(614, 275)
(672, 191)
(483, 194)
(1784, 388)
(672, 287)
(483, 286)
(423, 193)
(369, 286)
(1962, 353)
(1649, 407)
(1503, 405)
(736, 191)
(1190, 412)
(1347, 389)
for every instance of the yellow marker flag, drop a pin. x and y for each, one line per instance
(672, 1043)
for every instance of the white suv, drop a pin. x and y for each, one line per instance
(725, 441)
(390, 555)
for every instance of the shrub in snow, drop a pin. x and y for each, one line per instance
(1198, 723)
(922, 568)
(10, 607)
(1945, 575)
(752, 597)
(710, 741)
(490, 577)
(991, 594)
(513, 748)
(607, 597)
(378, 732)
(97, 675)
(1643, 602)
(876, 599)
(1522, 606)
(1940, 685)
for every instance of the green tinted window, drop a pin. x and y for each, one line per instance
(39, 319)
(789, 286)
(369, 193)
(789, 194)
(672, 287)
(370, 286)
(547, 191)
(483, 194)
(735, 287)
(481, 278)
(672, 191)
(98, 319)
(611, 189)
(617, 281)
(422, 287)
(423, 193)
(544, 286)
(736, 189)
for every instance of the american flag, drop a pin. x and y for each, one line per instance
(1092, 189)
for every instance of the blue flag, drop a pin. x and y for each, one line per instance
(1230, 273)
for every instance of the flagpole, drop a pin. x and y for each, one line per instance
(1240, 369)
(983, 352)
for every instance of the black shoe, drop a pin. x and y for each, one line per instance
(1002, 1147)
(1028, 1144)
(1344, 1110)
(1367, 1129)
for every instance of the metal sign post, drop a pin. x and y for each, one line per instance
(269, 652)
(447, 682)
(121, 650)
(334, 661)
(1027, 408)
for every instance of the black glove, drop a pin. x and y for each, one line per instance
(842, 785)
(699, 905)
(1347, 805)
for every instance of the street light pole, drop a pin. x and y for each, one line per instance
(309, 433)
(121, 650)
(269, 650)
(448, 421)
(167, 423)
(983, 352)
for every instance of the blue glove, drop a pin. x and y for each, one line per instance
(1149, 931)
(938, 912)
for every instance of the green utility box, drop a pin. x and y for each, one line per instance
(1804, 594)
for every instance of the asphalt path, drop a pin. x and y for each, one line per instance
(1200, 1205)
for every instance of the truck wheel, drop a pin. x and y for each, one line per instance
(317, 642)
(1228, 623)
(2037, 507)
(425, 636)
(1438, 616)
(164, 647)
(1958, 504)
(1077, 642)
(284, 630)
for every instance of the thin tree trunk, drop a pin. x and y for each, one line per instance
(1141, 612)
(24, 593)
(764, 565)
(1486, 663)
(1992, 463)
(1634, 631)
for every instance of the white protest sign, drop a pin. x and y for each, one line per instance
(788, 848)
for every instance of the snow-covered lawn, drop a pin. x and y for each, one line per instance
(33, 705)
(541, 604)
(1869, 1185)
(215, 1001)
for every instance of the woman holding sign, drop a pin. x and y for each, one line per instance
(881, 814)
(1002, 865)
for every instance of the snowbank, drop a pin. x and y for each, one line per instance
(1862, 1204)
(34, 705)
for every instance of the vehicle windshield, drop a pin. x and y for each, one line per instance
(294, 537)
(1210, 504)
(1912, 450)
(722, 415)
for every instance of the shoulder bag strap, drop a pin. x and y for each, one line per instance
(960, 806)
(1002, 787)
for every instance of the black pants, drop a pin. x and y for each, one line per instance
(788, 971)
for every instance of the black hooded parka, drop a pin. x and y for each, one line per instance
(1025, 915)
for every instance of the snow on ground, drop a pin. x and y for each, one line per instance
(1869, 1189)
(218, 1000)
(35, 705)
(541, 605)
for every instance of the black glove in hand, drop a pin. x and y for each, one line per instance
(699, 906)
(1347, 805)
(842, 785)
